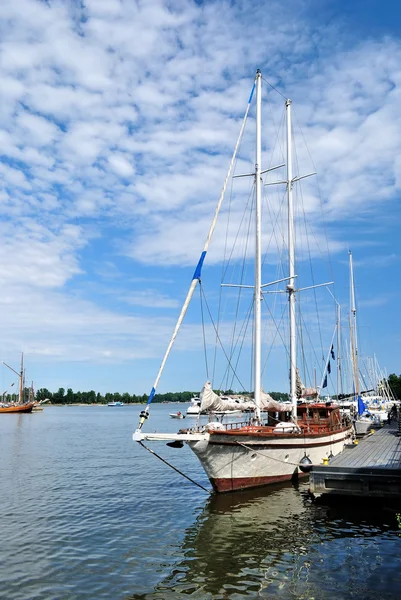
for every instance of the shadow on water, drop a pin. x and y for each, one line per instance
(277, 543)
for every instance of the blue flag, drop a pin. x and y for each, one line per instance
(361, 406)
(332, 353)
(324, 382)
(329, 367)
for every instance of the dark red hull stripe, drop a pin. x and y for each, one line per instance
(278, 446)
(242, 483)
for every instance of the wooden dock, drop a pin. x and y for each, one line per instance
(370, 469)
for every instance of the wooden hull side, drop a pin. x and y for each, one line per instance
(245, 483)
(238, 462)
(22, 408)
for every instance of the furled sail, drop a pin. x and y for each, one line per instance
(302, 391)
(267, 403)
(212, 402)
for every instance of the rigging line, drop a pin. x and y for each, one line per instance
(328, 257)
(274, 219)
(310, 341)
(218, 338)
(299, 189)
(278, 141)
(301, 336)
(276, 216)
(245, 327)
(233, 343)
(203, 330)
(277, 328)
(224, 273)
(287, 462)
(174, 468)
(275, 89)
(242, 332)
(237, 235)
(307, 376)
(226, 261)
(224, 266)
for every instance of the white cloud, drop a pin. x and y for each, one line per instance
(32, 256)
(121, 165)
(151, 298)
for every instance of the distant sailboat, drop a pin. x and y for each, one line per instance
(285, 437)
(21, 406)
(370, 406)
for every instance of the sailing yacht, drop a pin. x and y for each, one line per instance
(279, 439)
(362, 422)
(21, 406)
(370, 407)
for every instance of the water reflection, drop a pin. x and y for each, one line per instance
(277, 544)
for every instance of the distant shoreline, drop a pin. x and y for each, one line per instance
(106, 404)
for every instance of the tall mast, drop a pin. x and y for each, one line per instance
(354, 336)
(291, 261)
(21, 380)
(339, 378)
(258, 260)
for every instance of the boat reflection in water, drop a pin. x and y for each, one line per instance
(278, 544)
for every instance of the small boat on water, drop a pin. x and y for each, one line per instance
(193, 409)
(37, 405)
(16, 408)
(115, 403)
(223, 406)
(177, 415)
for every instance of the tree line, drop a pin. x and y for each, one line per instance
(68, 396)
(92, 397)
(394, 382)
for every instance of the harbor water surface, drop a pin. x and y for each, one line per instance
(86, 513)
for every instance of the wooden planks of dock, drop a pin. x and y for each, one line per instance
(372, 468)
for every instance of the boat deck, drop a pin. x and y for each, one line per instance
(371, 468)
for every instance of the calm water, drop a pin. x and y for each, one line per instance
(86, 513)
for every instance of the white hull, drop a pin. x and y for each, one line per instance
(362, 426)
(274, 458)
(379, 416)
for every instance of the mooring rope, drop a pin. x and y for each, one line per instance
(174, 468)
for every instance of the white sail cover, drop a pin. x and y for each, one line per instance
(267, 403)
(212, 402)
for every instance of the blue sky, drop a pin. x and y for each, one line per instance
(117, 122)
